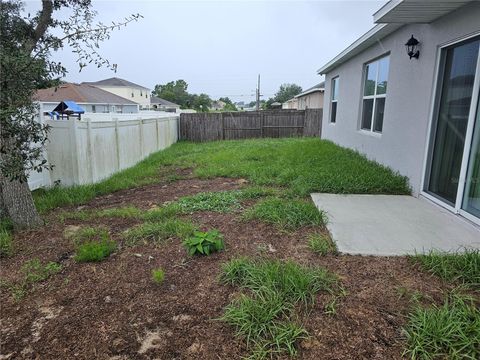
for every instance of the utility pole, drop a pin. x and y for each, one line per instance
(258, 93)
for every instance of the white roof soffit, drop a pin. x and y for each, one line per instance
(374, 35)
(415, 11)
(391, 17)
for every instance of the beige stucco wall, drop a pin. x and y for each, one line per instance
(140, 96)
(311, 101)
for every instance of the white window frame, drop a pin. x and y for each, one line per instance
(375, 96)
(457, 207)
(335, 82)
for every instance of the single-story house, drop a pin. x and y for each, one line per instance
(311, 98)
(290, 104)
(217, 105)
(157, 103)
(126, 89)
(406, 94)
(90, 98)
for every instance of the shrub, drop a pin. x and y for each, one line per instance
(158, 275)
(204, 243)
(321, 244)
(289, 214)
(449, 331)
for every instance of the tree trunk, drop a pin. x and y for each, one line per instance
(17, 202)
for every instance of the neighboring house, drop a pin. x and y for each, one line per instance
(157, 103)
(290, 104)
(126, 89)
(276, 105)
(311, 98)
(217, 105)
(417, 115)
(90, 98)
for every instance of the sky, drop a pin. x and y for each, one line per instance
(220, 47)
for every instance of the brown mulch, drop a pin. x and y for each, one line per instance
(112, 309)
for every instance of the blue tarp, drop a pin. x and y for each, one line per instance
(69, 106)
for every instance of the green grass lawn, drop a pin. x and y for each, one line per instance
(301, 165)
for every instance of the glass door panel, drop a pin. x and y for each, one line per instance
(471, 197)
(454, 107)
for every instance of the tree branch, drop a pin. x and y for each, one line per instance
(44, 21)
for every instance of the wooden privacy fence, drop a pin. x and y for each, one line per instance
(250, 124)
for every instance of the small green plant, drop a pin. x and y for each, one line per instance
(33, 271)
(222, 201)
(448, 331)
(289, 214)
(463, 267)
(321, 244)
(204, 243)
(162, 213)
(92, 251)
(266, 317)
(158, 231)
(158, 275)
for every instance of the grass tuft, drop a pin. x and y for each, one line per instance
(158, 276)
(463, 267)
(266, 316)
(85, 215)
(158, 231)
(6, 238)
(321, 244)
(288, 214)
(93, 251)
(449, 331)
(33, 271)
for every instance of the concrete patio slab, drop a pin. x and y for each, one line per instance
(394, 225)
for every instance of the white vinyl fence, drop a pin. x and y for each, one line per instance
(85, 152)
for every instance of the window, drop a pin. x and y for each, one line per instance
(333, 107)
(94, 110)
(374, 93)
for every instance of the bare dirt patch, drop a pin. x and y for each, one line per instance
(113, 309)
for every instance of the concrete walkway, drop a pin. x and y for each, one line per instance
(394, 225)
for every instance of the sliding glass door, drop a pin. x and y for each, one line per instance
(453, 171)
(471, 197)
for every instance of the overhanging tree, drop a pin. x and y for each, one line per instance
(26, 44)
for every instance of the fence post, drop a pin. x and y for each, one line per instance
(222, 121)
(262, 123)
(117, 143)
(75, 160)
(140, 124)
(90, 152)
(156, 134)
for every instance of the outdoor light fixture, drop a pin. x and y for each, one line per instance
(412, 48)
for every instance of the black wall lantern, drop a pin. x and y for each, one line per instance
(412, 48)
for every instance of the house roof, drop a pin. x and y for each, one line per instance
(319, 87)
(416, 11)
(156, 100)
(80, 93)
(390, 18)
(114, 81)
